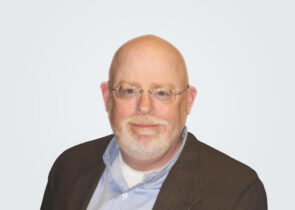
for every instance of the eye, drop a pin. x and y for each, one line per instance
(127, 92)
(163, 94)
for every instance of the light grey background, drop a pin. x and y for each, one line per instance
(54, 54)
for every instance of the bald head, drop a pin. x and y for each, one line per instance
(147, 52)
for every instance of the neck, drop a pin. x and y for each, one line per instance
(151, 163)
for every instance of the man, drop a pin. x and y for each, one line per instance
(151, 161)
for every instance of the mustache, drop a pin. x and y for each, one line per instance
(146, 120)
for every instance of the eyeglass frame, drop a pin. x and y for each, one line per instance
(151, 93)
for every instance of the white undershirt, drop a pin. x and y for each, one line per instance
(131, 176)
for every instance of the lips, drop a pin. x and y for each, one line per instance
(144, 125)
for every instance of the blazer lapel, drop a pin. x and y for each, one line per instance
(181, 189)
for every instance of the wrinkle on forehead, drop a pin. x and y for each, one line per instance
(146, 49)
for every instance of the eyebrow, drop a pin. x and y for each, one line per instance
(128, 82)
(133, 83)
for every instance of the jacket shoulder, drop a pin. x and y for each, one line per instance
(71, 160)
(226, 181)
(220, 163)
(76, 162)
(222, 173)
(83, 149)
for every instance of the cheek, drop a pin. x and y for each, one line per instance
(175, 115)
(120, 111)
(170, 113)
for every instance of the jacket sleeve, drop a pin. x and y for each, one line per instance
(253, 197)
(47, 199)
(47, 202)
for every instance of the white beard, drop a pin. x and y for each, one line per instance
(146, 144)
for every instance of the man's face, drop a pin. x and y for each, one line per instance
(145, 126)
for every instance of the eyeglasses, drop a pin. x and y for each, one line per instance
(163, 94)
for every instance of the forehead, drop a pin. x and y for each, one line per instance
(149, 66)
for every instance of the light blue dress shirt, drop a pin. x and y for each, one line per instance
(112, 192)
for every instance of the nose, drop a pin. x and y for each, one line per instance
(144, 104)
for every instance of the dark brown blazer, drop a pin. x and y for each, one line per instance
(201, 179)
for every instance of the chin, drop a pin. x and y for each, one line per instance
(146, 144)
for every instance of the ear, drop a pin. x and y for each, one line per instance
(104, 87)
(192, 92)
